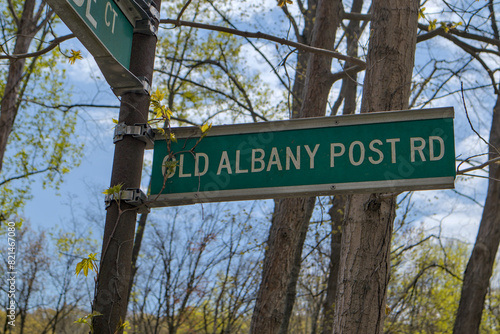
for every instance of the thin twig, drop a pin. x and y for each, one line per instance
(482, 177)
(481, 166)
(470, 123)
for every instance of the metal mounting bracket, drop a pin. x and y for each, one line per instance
(139, 131)
(132, 196)
(136, 10)
(145, 89)
(146, 27)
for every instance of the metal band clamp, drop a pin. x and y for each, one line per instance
(139, 131)
(131, 196)
(146, 27)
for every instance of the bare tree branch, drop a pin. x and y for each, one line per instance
(494, 25)
(294, 24)
(51, 46)
(356, 16)
(472, 127)
(303, 10)
(17, 177)
(183, 10)
(232, 98)
(481, 166)
(273, 68)
(67, 107)
(282, 41)
(13, 12)
(348, 72)
(47, 18)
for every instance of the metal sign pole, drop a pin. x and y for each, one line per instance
(114, 273)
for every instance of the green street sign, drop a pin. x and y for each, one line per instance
(106, 33)
(374, 152)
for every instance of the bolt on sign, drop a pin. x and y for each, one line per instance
(105, 32)
(374, 152)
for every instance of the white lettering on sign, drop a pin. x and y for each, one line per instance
(432, 157)
(110, 14)
(419, 148)
(274, 160)
(393, 142)
(238, 170)
(357, 151)
(311, 154)
(361, 153)
(376, 150)
(114, 13)
(290, 157)
(89, 16)
(333, 155)
(181, 167)
(278, 159)
(224, 163)
(260, 160)
(197, 164)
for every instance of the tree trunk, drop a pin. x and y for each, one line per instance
(480, 266)
(26, 31)
(291, 217)
(348, 91)
(139, 235)
(348, 94)
(336, 213)
(366, 234)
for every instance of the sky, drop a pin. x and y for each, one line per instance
(442, 211)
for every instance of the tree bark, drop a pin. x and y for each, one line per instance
(348, 94)
(291, 217)
(480, 266)
(139, 235)
(336, 213)
(348, 91)
(366, 233)
(297, 93)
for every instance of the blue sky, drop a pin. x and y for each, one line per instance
(81, 193)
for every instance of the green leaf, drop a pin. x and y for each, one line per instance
(115, 190)
(432, 24)
(421, 13)
(205, 127)
(157, 96)
(283, 3)
(75, 55)
(87, 264)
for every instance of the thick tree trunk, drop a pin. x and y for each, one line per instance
(278, 263)
(348, 93)
(479, 269)
(366, 233)
(291, 216)
(10, 101)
